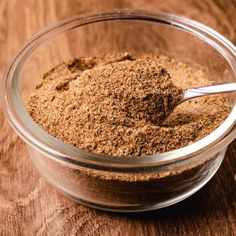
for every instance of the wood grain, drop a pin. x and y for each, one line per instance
(28, 206)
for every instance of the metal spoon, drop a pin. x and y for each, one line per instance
(156, 108)
(194, 93)
(207, 90)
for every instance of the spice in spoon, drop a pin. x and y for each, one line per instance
(127, 92)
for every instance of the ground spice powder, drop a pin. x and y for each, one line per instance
(114, 104)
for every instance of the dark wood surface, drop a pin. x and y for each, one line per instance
(28, 206)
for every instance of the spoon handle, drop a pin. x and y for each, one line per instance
(208, 90)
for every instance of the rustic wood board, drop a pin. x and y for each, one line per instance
(28, 206)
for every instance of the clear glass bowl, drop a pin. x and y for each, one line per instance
(105, 182)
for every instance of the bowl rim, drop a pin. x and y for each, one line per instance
(37, 138)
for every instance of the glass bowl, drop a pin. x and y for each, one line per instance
(106, 182)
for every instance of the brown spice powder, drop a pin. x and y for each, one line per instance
(114, 105)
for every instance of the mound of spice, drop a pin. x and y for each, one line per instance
(126, 93)
(115, 105)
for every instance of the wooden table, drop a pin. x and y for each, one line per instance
(28, 206)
